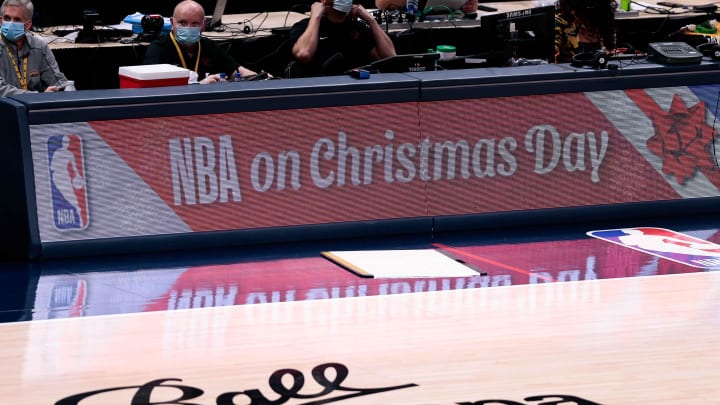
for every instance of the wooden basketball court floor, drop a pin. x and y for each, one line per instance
(558, 318)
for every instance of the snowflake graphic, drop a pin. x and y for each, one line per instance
(682, 139)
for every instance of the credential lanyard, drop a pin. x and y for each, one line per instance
(21, 76)
(180, 54)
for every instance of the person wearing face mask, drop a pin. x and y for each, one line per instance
(185, 47)
(337, 36)
(27, 65)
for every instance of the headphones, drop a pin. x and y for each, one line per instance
(597, 59)
(709, 49)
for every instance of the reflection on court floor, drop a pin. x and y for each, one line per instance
(68, 290)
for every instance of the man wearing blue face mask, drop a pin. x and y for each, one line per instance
(185, 47)
(26, 63)
(336, 37)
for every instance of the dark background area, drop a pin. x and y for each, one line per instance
(50, 13)
(96, 68)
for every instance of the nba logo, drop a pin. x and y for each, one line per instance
(68, 299)
(67, 182)
(665, 243)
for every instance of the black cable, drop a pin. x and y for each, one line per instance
(265, 15)
(635, 59)
(647, 8)
(657, 10)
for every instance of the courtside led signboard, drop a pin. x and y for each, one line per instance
(250, 170)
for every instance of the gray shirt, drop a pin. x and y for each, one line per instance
(42, 69)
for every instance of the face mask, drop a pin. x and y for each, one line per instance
(187, 35)
(12, 30)
(343, 6)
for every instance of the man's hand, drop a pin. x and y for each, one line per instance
(245, 71)
(52, 89)
(211, 79)
(317, 10)
(358, 11)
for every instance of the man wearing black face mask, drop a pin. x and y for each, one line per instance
(26, 63)
(185, 47)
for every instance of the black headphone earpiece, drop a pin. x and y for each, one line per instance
(597, 59)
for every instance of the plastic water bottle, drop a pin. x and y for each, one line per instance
(411, 11)
(237, 77)
(70, 85)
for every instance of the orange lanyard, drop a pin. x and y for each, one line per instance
(21, 76)
(180, 54)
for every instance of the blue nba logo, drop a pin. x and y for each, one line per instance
(67, 182)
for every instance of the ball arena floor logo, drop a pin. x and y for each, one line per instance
(143, 393)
